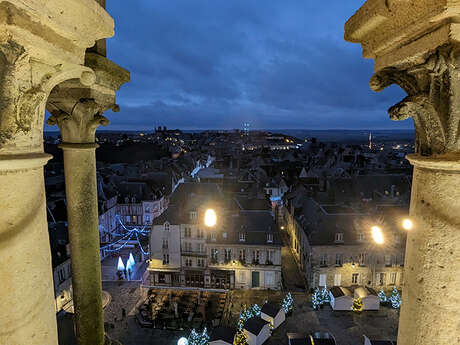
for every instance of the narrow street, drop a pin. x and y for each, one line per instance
(292, 277)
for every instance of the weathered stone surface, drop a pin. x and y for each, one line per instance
(415, 44)
(42, 44)
(77, 109)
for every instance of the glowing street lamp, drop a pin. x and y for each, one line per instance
(407, 224)
(210, 218)
(377, 234)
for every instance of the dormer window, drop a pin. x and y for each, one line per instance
(339, 237)
(269, 238)
(360, 236)
(242, 237)
(193, 215)
(166, 226)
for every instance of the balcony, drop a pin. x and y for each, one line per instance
(194, 253)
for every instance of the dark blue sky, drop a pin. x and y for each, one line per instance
(217, 63)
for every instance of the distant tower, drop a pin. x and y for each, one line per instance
(370, 140)
(246, 126)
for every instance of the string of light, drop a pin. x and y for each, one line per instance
(130, 231)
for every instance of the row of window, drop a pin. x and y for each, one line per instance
(362, 259)
(199, 262)
(269, 254)
(380, 279)
(361, 237)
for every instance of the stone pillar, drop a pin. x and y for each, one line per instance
(77, 110)
(415, 45)
(42, 43)
(82, 213)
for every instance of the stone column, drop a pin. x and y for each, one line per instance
(77, 110)
(416, 45)
(42, 43)
(79, 148)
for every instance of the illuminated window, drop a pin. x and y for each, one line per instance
(354, 278)
(270, 238)
(242, 237)
(339, 237)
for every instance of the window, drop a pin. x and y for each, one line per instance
(362, 259)
(188, 247)
(339, 259)
(135, 219)
(200, 233)
(201, 247)
(188, 262)
(394, 259)
(339, 237)
(393, 278)
(214, 253)
(242, 276)
(354, 278)
(193, 215)
(224, 235)
(360, 236)
(166, 226)
(165, 243)
(269, 257)
(323, 260)
(322, 279)
(255, 256)
(200, 262)
(397, 239)
(165, 259)
(337, 279)
(187, 232)
(242, 237)
(147, 219)
(213, 236)
(242, 255)
(228, 254)
(269, 279)
(387, 259)
(270, 238)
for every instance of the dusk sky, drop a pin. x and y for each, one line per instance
(198, 64)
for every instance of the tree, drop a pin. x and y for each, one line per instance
(196, 338)
(316, 299)
(240, 338)
(287, 303)
(382, 296)
(256, 310)
(357, 305)
(395, 299)
(325, 294)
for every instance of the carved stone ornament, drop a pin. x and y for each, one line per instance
(79, 126)
(433, 100)
(24, 88)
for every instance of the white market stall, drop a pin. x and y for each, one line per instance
(369, 297)
(340, 298)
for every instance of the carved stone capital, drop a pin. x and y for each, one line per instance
(79, 125)
(25, 84)
(77, 108)
(433, 100)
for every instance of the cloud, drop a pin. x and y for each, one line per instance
(218, 63)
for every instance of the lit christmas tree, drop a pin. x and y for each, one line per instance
(316, 299)
(196, 338)
(240, 338)
(395, 299)
(256, 310)
(325, 295)
(382, 296)
(287, 303)
(357, 304)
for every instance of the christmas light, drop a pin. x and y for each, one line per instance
(120, 266)
(287, 303)
(357, 305)
(382, 296)
(395, 299)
